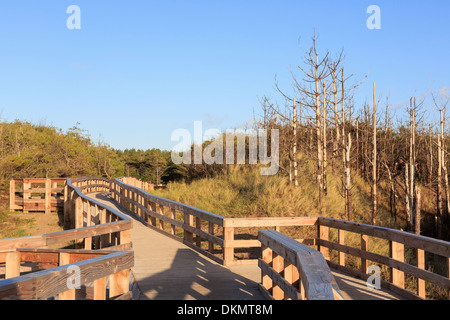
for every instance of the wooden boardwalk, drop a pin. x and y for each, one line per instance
(166, 269)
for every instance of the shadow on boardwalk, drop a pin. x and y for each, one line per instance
(193, 277)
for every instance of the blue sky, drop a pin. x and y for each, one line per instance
(138, 70)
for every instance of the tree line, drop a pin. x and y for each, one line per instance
(36, 150)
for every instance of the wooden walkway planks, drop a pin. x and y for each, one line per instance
(166, 269)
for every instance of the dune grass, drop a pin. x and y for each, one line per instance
(243, 192)
(12, 226)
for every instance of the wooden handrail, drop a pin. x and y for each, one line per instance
(87, 266)
(306, 274)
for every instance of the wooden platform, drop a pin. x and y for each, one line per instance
(166, 269)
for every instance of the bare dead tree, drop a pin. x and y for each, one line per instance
(374, 159)
(442, 168)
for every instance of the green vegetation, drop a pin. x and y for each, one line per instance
(12, 226)
(36, 151)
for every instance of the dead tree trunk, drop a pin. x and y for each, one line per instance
(439, 187)
(412, 165)
(392, 193)
(357, 147)
(337, 136)
(408, 195)
(348, 186)
(430, 170)
(418, 212)
(374, 159)
(294, 148)
(324, 146)
(319, 137)
(444, 164)
(346, 149)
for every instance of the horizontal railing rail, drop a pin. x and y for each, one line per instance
(291, 270)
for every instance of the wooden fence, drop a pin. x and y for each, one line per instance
(398, 242)
(94, 226)
(146, 186)
(30, 195)
(291, 270)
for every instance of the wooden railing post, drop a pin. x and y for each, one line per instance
(48, 195)
(26, 194)
(161, 222)
(278, 266)
(119, 283)
(266, 281)
(172, 216)
(64, 259)
(78, 216)
(125, 236)
(364, 245)
(153, 208)
(397, 253)
(88, 240)
(341, 239)
(12, 195)
(188, 220)
(67, 201)
(211, 231)
(448, 275)
(12, 264)
(72, 209)
(100, 289)
(291, 275)
(421, 265)
(228, 252)
(323, 234)
(198, 225)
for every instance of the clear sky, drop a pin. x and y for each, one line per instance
(138, 70)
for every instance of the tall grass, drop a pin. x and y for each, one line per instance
(244, 192)
(12, 226)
